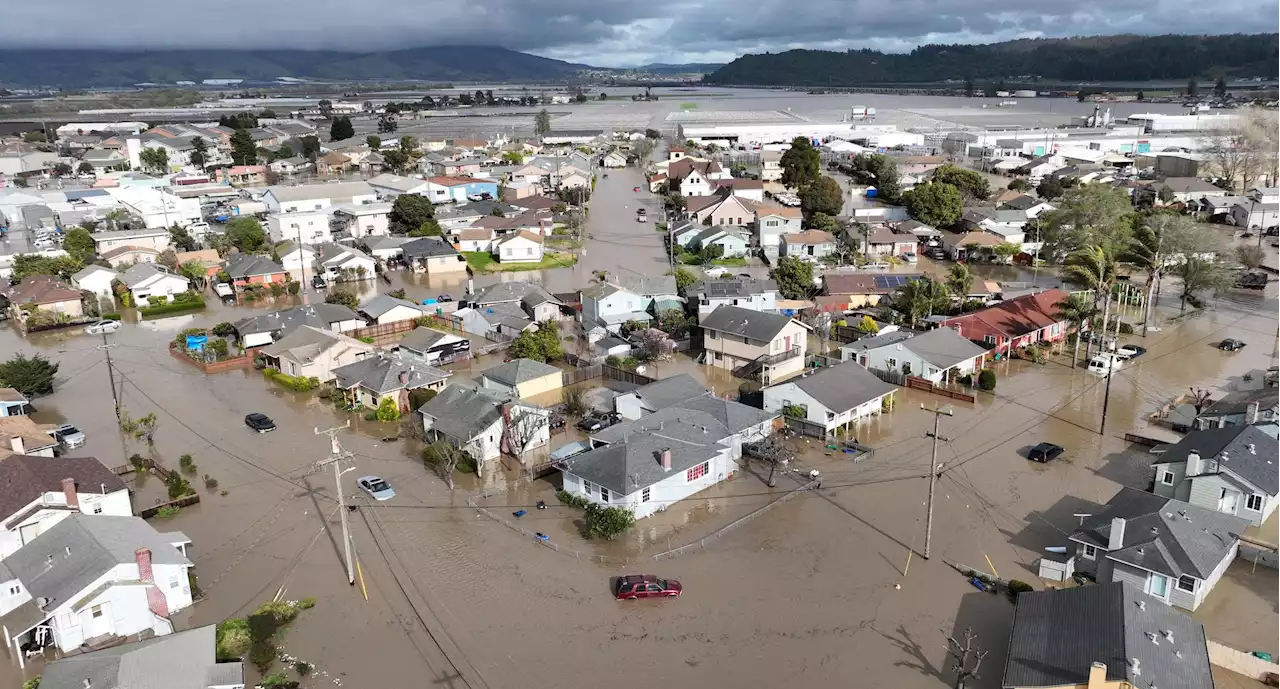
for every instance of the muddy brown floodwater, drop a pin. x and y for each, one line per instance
(803, 596)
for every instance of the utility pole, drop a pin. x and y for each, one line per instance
(111, 373)
(336, 457)
(963, 655)
(938, 413)
(1106, 397)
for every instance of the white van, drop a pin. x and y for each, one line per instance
(1103, 364)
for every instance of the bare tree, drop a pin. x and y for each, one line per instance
(642, 148)
(1199, 399)
(1233, 155)
(445, 458)
(655, 344)
(968, 658)
(771, 451)
(523, 428)
(1262, 127)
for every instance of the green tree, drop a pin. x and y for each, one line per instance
(387, 124)
(684, 279)
(1088, 215)
(35, 136)
(341, 129)
(343, 297)
(1193, 87)
(387, 410)
(959, 280)
(373, 141)
(181, 238)
(79, 244)
(25, 265)
(243, 150)
(919, 298)
(429, 228)
(513, 157)
(1200, 275)
(310, 147)
(1050, 188)
(937, 204)
(542, 124)
(62, 169)
(607, 522)
(85, 168)
(801, 164)
(821, 196)
(410, 212)
(1006, 250)
(246, 234)
(1019, 184)
(866, 325)
(30, 376)
(154, 159)
(1094, 267)
(542, 344)
(1160, 240)
(1078, 310)
(395, 159)
(199, 152)
(794, 277)
(971, 183)
(285, 151)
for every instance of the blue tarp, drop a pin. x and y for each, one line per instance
(196, 342)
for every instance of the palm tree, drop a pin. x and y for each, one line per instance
(1095, 267)
(960, 280)
(920, 298)
(1076, 309)
(1146, 251)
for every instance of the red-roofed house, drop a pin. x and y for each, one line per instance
(1015, 323)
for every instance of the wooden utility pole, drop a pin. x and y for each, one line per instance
(968, 658)
(111, 373)
(938, 413)
(336, 457)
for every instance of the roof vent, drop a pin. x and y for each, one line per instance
(1142, 605)
(1155, 638)
(1253, 449)
(1135, 666)
(1177, 653)
(1168, 635)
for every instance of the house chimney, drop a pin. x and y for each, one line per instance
(69, 490)
(1116, 540)
(404, 377)
(1193, 463)
(18, 447)
(666, 459)
(155, 597)
(1097, 676)
(1251, 413)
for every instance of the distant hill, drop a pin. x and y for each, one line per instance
(71, 68)
(688, 68)
(1098, 58)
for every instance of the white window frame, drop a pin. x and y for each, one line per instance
(645, 494)
(1249, 500)
(1090, 552)
(1194, 583)
(1151, 585)
(1166, 477)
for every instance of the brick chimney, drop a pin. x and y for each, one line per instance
(69, 490)
(155, 597)
(1251, 415)
(666, 459)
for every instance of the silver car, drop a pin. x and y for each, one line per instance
(69, 436)
(102, 327)
(376, 487)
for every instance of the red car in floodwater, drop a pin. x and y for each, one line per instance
(635, 586)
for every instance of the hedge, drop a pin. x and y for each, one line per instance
(172, 307)
(110, 316)
(292, 382)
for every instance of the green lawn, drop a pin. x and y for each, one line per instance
(483, 262)
(730, 261)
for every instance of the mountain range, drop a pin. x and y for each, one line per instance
(1095, 58)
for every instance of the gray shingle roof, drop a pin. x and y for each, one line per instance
(1058, 634)
(246, 265)
(90, 270)
(1238, 401)
(866, 344)
(306, 192)
(630, 464)
(722, 418)
(843, 387)
(519, 371)
(387, 373)
(753, 325)
(423, 247)
(316, 315)
(141, 272)
(942, 347)
(667, 392)
(461, 412)
(82, 549)
(24, 478)
(1162, 535)
(734, 287)
(184, 660)
(519, 290)
(305, 343)
(421, 339)
(1244, 451)
(383, 303)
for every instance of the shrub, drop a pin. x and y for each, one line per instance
(279, 610)
(1032, 353)
(210, 483)
(193, 304)
(306, 603)
(33, 683)
(1016, 587)
(277, 289)
(293, 286)
(303, 668)
(188, 464)
(795, 411)
(277, 680)
(262, 654)
(987, 379)
(111, 316)
(178, 486)
(967, 380)
(232, 639)
(421, 396)
(219, 347)
(1126, 328)
(571, 499)
(613, 361)
(574, 401)
(167, 511)
(223, 329)
(608, 522)
(388, 410)
(224, 492)
(296, 383)
(138, 461)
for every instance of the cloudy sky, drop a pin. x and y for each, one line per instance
(608, 33)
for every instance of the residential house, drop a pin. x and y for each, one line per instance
(433, 346)
(689, 177)
(252, 269)
(96, 279)
(658, 395)
(1030, 206)
(831, 398)
(530, 298)
(521, 247)
(208, 260)
(384, 309)
(940, 355)
(613, 159)
(266, 328)
(810, 245)
(721, 210)
(754, 344)
(1038, 168)
(1232, 470)
(432, 255)
(146, 281)
(773, 221)
(363, 219)
(476, 239)
(683, 234)
(311, 352)
(92, 578)
(13, 403)
(485, 423)
(1189, 189)
(19, 435)
(657, 182)
(125, 256)
(771, 166)
(1110, 636)
(390, 186)
(388, 375)
(185, 660)
(1015, 323)
(1172, 550)
(244, 175)
(756, 294)
(749, 189)
(522, 378)
(305, 198)
(882, 240)
(105, 160)
(651, 463)
(1242, 407)
(46, 294)
(574, 179)
(341, 263)
(385, 248)
(290, 166)
(1260, 209)
(295, 257)
(733, 242)
(38, 492)
(157, 239)
(1010, 227)
(333, 163)
(444, 189)
(863, 289)
(970, 246)
(620, 299)
(306, 227)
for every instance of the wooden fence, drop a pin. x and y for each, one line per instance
(917, 383)
(384, 333)
(185, 501)
(625, 376)
(216, 366)
(583, 373)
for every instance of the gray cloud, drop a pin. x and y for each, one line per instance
(603, 32)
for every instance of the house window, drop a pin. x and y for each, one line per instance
(1253, 503)
(644, 495)
(174, 582)
(891, 363)
(1090, 552)
(97, 508)
(96, 611)
(989, 339)
(17, 589)
(695, 473)
(604, 494)
(1166, 478)
(713, 335)
(1158, 586)
(1186, 583)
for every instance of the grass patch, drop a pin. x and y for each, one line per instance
(172, 308)
(483, 262)
(730, 261)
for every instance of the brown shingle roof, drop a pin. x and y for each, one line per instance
(809, 237)
(42, 289)
(124, 250)
(34, 435)
(765, 210)
(24, 478)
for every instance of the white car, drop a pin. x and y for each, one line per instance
(102, 327)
